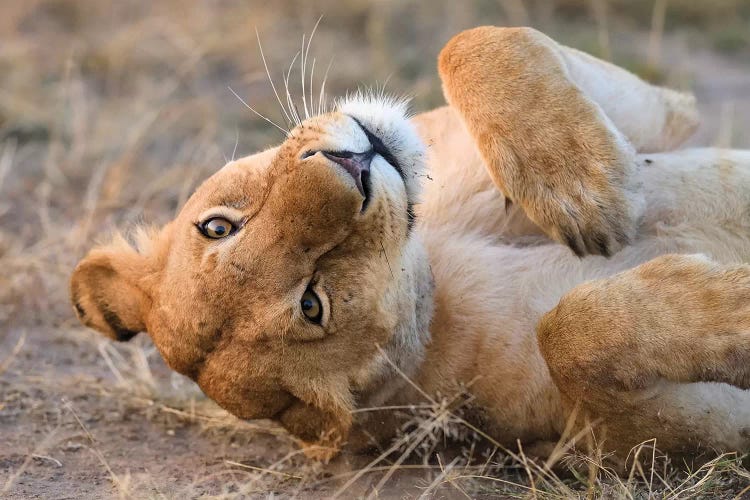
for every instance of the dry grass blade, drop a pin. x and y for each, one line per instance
(416, 439)
(726, 125)
(526, 467)
(600, 9)
(6, 159)
(704, 474)
(13, 478)
(5, 364)
(121, 483)
(656, 35)
(261, 469)
(391, 407)
(49, 459)
(439, 479)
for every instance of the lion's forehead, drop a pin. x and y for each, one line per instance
(236, 185)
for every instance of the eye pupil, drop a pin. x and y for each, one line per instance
(216, 227)
(311, 306)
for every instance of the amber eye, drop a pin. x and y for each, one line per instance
(217, 227)
(311, 306)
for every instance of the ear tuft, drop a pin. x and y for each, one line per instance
(107, 292)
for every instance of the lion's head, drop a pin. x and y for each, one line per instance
(287, 278)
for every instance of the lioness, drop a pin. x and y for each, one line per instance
(527, 245)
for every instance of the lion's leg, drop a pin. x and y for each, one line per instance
(698, 199)
(653, 118)
(552, 135)
(660, 351)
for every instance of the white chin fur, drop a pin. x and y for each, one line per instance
(387, 118)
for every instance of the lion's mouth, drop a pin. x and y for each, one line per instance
(385, 124)
(358, 166)
(378, 147)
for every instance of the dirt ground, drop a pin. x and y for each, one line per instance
(111, 113)
(68, 431)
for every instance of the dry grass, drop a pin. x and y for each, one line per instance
(111, 113)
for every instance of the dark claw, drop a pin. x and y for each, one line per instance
(598, 245)
(573, 244)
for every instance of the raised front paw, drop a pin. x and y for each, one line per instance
(546, 145)
(593, 214)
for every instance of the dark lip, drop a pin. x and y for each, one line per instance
(380, 148)
(363, 179)
(366, 190)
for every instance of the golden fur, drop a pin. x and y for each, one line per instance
(450, 302)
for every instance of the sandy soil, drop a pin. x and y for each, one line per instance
(68, 429)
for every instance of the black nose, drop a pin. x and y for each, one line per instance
(357, 164)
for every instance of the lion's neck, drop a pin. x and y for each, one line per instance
(462, 327)
(409, 298)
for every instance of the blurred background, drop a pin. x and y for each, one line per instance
(112, 112)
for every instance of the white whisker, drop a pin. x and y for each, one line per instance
(292, 107)
(236, 142)
(270, 80)
(312, 102)
(296, 110)
(385, 84)
(289, 99)
(302, 65)
(285, 131)
(321, 99)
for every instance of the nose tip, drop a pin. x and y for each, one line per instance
(357, 164)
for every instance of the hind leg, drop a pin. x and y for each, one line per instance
(661, 351)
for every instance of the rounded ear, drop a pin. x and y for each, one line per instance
(107, 292)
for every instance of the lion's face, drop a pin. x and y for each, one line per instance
(274, 287)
